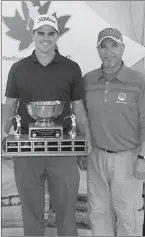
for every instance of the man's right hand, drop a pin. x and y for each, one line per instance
(8, 111)
(3, 140)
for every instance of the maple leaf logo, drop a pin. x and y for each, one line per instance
(20, 29)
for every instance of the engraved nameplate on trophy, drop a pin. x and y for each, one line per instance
(45, 132)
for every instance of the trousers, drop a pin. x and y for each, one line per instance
(63, 182)
(115, 203)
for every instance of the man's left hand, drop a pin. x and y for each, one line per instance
(83, 162)
(140, 169)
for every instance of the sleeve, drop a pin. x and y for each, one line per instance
(142, 113)
(77, 87)
(11, 86)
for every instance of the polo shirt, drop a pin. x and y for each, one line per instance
(29, 80)
(116, 108)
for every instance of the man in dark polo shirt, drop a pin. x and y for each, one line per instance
(46, 75)
(115, 99)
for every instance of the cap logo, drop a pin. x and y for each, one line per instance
(110, 32)
(45, 19)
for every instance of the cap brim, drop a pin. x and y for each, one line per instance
(110, 37)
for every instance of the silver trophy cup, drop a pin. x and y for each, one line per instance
(45, 113)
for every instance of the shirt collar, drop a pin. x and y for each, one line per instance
(99, 73)
(55, 60)
(121, 75)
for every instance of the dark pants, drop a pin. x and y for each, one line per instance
(63, 182)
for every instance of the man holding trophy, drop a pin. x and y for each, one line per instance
(37, 80)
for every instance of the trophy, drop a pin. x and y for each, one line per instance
(45, 137)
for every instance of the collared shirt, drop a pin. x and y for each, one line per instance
(116, 108)
(29, 80)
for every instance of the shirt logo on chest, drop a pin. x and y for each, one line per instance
(122, 97)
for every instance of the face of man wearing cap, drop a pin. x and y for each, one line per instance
(45, 38)
(110, 53)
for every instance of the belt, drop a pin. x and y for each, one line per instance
(107, 151)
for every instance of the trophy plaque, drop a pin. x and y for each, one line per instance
(45, 137)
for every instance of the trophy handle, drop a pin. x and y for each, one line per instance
(18, 121)
(72, 133)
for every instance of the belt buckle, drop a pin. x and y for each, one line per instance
(105, 151)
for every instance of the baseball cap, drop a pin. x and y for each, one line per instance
(111, 33)
(45, 19)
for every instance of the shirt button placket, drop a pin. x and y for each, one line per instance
(106, 91)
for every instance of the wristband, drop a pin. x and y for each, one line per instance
(141, 157)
